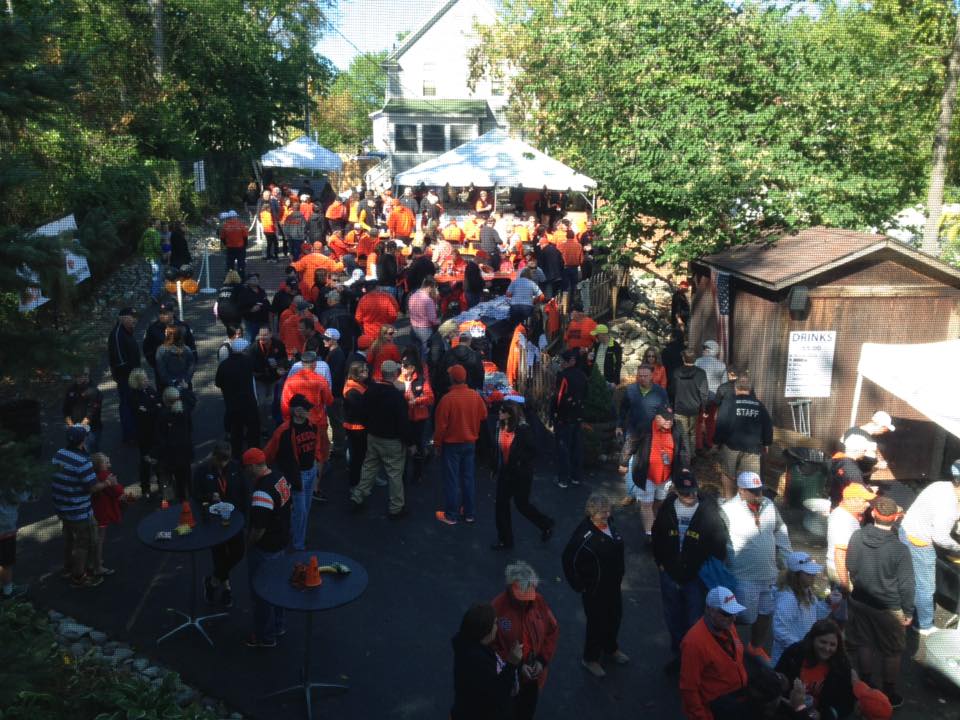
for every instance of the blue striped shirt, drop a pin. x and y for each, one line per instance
(71, 484)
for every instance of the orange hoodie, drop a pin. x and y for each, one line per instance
(401, 222)
(458, 417)
(314, 388)
(707, 671)
(513, 356)
(308, 265)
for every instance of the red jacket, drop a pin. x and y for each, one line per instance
(375, 310)
(532, 623)
(707, 671)
(106, 502)
(458, 417)
(233, 234)
(375, 360)
(314, 388)
(422, 402)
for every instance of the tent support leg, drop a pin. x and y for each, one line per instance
(856, 400)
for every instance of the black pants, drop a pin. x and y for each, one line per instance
(271, 244)
(517, 488)
(604, 611)
(226, 555)
(146, 470)
(237, 260)
(524, 703)
(357, 442)
(244, 428)
(180, 476)
(413, 468)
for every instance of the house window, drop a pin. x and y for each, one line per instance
(460, 134)
(406, 138)
(434, 138)
(429, 79)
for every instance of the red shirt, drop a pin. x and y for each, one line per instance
(506, 440)
(106, 502)
(234, 233)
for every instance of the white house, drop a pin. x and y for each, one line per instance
(429, 107)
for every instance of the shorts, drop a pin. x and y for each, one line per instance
(757, 598)
(735, 462)
(870, 627)
(8, 551)
(652, 492)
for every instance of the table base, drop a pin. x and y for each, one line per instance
(191, 621)
(307, 689)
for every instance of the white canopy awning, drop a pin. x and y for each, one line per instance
(496, 159)
(922, 375)
(304, 153)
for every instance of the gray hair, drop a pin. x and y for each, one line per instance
(522, 573)
(138, 379)
(170, 394)
(598, 502)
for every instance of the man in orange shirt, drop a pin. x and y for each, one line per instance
(712, 673)
(471, 228)
(336, 215)
(308, 265)
(306, 207)
(578, 335)
(572, 252)
(376, 309)
(309, 383)
(401, 222)
(459, 417)
(234, 236)
(453, 232)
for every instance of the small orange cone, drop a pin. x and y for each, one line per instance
(186, 515)
(313, 578)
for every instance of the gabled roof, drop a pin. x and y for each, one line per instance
(415, 35)
(429, 106)
(792, 259)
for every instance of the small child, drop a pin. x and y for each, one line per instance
(106, 506)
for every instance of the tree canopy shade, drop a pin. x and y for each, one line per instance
(723, 120)
(343, 119)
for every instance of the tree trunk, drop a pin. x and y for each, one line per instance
(938, 170)
(158, 59)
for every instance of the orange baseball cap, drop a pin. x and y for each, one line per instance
(874, 705)
(856, 491)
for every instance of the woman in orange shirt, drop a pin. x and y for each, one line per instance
(651, 357)
(382, 349)
(419, 397)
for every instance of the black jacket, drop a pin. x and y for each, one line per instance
(173, 438)
(743, 424)
(479, 691)
(227, 311)
(724, 390)
(843, 471)
(593, 561)
(385, 410)
(146, 406)
(337, 361)
(612, 362)
(262, 369)
(124, 353)
(473, 278)
(235, 380)
(460, 355)
(550, 261)
(206, 482)
(881, 570)
(179, 250)
(246, 297)
(523, 451)
(688, 390)
(681, 456)
(836, 695)
(671, 357)
(417, 271)
(706, 537)
(567, 405)
(386, 269)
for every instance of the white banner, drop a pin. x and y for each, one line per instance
(810, 363)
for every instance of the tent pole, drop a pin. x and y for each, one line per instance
(494, 198)
(856, 400)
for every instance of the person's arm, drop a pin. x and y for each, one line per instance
(907, 585)
(691, 700)
(782, 537)
(840, 563)
(943, 524)
(787, 628)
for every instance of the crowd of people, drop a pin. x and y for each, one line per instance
(320, 369)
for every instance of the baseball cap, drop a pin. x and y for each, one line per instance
(802, 562)
(711, 345)
(301, 401)
(749, 480)
(600, 330)
(390, 367)
(308, 357)
(457, 373)
(238, 345)
(857, 443)
(874, 704)
(686, 483)
(254, 456)
(332, 334)
(856, 491)
(76, 434)
(722, 598)
(883, 419)
(165, 307)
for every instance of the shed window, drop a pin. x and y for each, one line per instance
(460, 134)
(406, 138)
(434, 138)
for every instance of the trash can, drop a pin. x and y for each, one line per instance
(807, 475)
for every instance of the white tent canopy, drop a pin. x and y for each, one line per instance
(496, 160)
(304, 153)
(915, 374)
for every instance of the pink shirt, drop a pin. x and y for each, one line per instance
(422, 309)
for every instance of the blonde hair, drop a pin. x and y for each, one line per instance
(794, 583)
(232, 278)
(99, 460)
(138, 379)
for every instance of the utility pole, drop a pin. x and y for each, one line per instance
(158, 55)
(941, 145)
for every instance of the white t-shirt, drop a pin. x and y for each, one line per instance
(684, 516)
(840, 526)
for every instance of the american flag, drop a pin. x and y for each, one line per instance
(721, 300)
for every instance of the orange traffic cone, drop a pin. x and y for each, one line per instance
(186, 515)
(313, 578)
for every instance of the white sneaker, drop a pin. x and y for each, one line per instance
(926, 632)
(594, 668)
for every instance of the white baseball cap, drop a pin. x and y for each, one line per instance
(802, 562)
(882, 419)
(722, 598)
(332, 334)
(749, 480)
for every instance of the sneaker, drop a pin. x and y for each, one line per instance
(209, 591)
(104, 571)
(86, 581)
(672, 667)
(926, 632)
(562, 484)
(594, 668)
(620, 657)
(446, 519)
(226, 598)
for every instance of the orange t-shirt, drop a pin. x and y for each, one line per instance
(453, 233)
(661, 445)
(813, 679)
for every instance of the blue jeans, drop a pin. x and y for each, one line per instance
(520, 313)
(253, 329)
(569, 451)
(156, 279)
(925, 574)
(300, 509)
(682, 606)
(459, 481)
(267, 618)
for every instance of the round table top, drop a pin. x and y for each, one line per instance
(204, 534)
(272, 582)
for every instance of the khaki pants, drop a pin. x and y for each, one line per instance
(79, 545)
(688, 430)
(388, 454)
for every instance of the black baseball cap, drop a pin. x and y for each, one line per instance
(686, 483)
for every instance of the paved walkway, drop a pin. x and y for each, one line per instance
(393, 645)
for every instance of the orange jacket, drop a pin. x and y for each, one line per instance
(458, 417)
(233, 234)
(314, 388)
(660, 376)
(572, 252)
(361, 238)
(376, 359)
(513, 356)
(375, 310)
(340, 247)
(533, 624)
(578, 332)
(266, 220)
(336, 211)
(552, 311)
(707, 671)
(401, 222)
(289, 330)
(308, 265)
(306, 209)
(419, 404)
(453, 233)
(321, 448)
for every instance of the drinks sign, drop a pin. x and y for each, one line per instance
(810, 363)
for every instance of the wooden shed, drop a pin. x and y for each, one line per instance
(845, 289)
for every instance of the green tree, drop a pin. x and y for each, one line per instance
(344, 112)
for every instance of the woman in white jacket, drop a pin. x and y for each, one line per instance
(797, 607)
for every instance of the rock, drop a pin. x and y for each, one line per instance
(97, 637)
(151, 672)
(70, 629)
(120, 655)
(55, 616)
(141, 663)
(184, 696)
